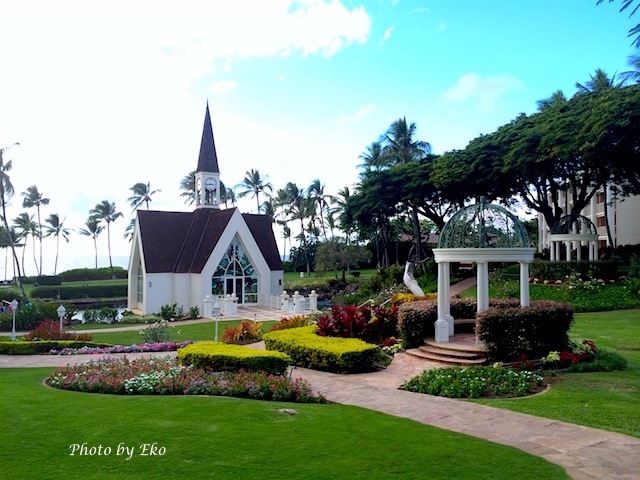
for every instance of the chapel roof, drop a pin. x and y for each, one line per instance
(182, 242)
(208, 159)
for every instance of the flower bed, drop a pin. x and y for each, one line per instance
(474, 382)
(165, 376)
(143, 347)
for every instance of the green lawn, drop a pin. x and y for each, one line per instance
(209, 437)
(198, 331)
(607, 400)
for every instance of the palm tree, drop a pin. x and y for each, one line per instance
(300, 209)
(254, 184)
(188, 187)
(25, 226)
(268, 208)
(316, 193)
(339, 209)
(401, 147)
(128, 232)
(598, 82)
(141, 194)
(556, 100)
(632, 76)
(286, 235)
(57, 229)
(6, 192)
(634, 30)
(373, 158)
(33, 198)
(105, 211)
(93, 230)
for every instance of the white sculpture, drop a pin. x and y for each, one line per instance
(410, 280)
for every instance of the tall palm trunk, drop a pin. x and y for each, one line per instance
(113, 274)
(55, 265)
(40, 240)
(11, 243)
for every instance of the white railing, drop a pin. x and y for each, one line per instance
(295, 303)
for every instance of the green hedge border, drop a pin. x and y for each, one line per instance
(223, 357)
(331, 354)
(44, 346)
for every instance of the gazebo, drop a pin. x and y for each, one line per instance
(573, 228)
(481, 233)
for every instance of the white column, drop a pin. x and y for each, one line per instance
(579, 251)
(447, 298)
(483, 286)
(284, 301)
(441, 325)
(524, 285)
(568, 245)
(593, 251)
(558, 251)
(297, 308)
(552, 251)
(208, 304)
(313, 301)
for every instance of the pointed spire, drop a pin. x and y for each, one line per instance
(208, 160)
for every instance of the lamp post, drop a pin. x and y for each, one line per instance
(61, 311)
(216, 314)
(14, 306)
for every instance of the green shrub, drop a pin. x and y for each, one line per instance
(559, 270)
(157, 332)
(306, 349)
(603, 361)
(171, 312)
(138, 319)
(416, 322)
(222, 357)
(69, 292)
(36, 348)
(247, 331)
(89, 274)
(291, 322)
(474, 382)
(50, 330)
(29, 316)
(535, 330)
(194, 312)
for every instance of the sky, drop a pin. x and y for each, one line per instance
(104, 94)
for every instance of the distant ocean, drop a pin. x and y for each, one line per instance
(64, 263)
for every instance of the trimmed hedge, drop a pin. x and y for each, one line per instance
(28, 318)
(223, 357)
(416, 319)
(604, 269)
(331, 354)
(70, 292)
(534, 331)
(36, 348)
(87, 274)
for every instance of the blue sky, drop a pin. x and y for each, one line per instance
(104, 94)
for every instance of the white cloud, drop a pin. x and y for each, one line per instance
(421, 10)
(222, 86)
(386, 35)
(441, 27)
(357, 116)
(281, 78)
(472, 87)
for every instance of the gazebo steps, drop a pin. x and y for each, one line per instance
(450, 353)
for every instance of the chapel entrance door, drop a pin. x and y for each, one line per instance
(234, 286)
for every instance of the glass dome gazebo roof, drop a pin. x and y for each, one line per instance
(574, 224)
(483, 225)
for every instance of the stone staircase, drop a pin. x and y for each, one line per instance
(450, 353)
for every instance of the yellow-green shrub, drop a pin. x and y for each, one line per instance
(222, 357)
(331, 354)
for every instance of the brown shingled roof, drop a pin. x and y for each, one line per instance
(182, 242)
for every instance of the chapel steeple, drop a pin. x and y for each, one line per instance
(207, 174)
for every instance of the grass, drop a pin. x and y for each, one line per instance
(197, 331)
(208, 437)
(293, 278)
(607, 400)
